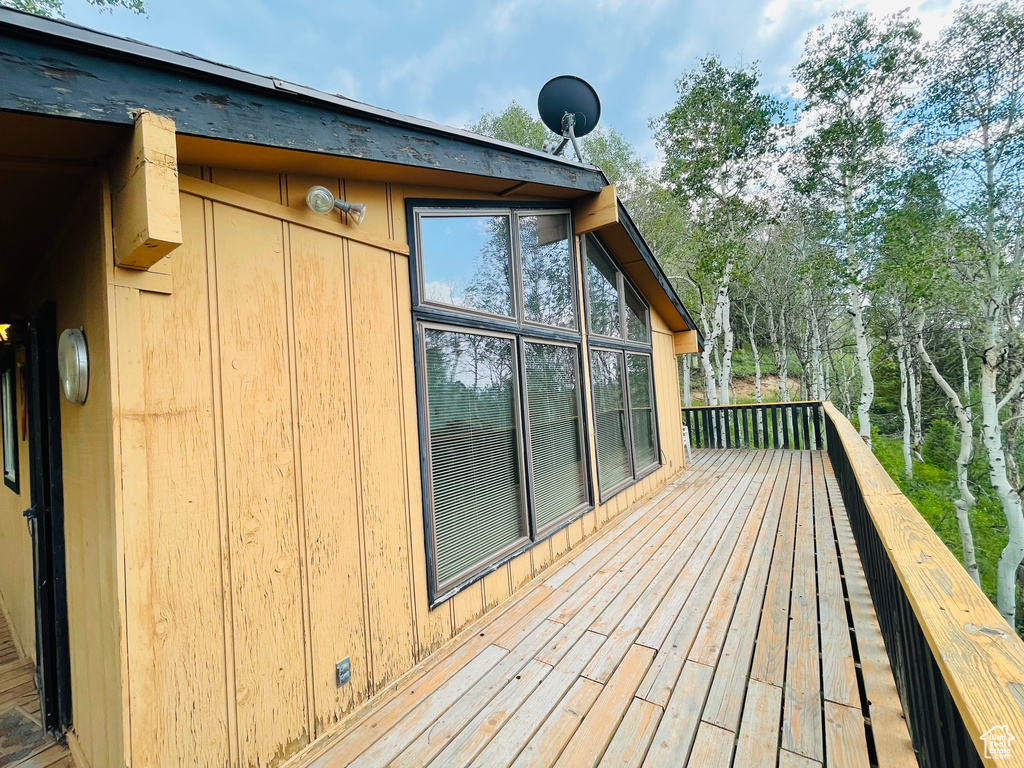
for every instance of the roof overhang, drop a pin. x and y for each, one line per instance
(57, 69)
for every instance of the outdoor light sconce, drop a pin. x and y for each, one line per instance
(322, 200)
(73, 365)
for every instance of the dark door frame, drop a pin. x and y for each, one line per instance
(46, 520)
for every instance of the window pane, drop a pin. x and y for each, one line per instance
(548, 295)
(606, 376)
(636, 316)
(603, 292)
(645, 444)
(10, 432)
(467, 262)
(474, 448)
(556, 441)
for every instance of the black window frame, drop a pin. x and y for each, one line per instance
(9, 415)
(623, 347)
(455, 318)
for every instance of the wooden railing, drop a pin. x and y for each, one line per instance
(959, 666)
(756, 425)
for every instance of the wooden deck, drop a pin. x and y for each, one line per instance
(23, 743)
(725, 621)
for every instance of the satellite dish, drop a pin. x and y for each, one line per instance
(570, 107)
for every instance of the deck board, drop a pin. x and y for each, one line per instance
(23, 743)
(713, 624)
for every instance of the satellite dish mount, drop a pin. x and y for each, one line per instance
(570, 107)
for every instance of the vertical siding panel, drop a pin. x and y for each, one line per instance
(224, 516)
(270, 668)
(381, 437)
(328, 471)
(496, 587)
(170, 487)
(520, 570)
(468, 604)
(435, 626)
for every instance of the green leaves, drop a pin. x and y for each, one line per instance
(720, 133)
(56, 7)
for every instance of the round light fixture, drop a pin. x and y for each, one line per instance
(320, 199)
(73, 365)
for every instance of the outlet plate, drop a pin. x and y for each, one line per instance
(343, 671)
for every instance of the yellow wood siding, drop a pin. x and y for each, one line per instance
(17, 597)
(270, 468)
(74, 274)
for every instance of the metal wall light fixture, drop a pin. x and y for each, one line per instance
(322, 200)
(73, 365)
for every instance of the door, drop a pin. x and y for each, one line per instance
(46, 521)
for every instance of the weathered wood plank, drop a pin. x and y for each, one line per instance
(838, 674)
(678, 727)
(845, 742)
(888, 723)
(801, 720)
(731, 675)
(549, 741)
(629, 745)
(463, 748)
(519, 730)
(590, 740)
(712, 748)
(769, 663)
(759, 726)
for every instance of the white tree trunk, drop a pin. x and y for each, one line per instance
(757, 365)
(901, 354)
(916, 393)
(783, 362)
(728, 343)
(966, 502)
(687, 398)
(992, 438)
(967, 368)
(867, 381)
(710, 384)
(817, 364)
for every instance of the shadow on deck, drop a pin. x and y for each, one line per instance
(725, 621)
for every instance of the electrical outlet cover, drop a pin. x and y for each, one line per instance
(343, 670)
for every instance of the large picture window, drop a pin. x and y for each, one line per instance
(621, 374)
(499, 349)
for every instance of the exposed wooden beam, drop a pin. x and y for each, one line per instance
(144, 189)
(597, 211)
(686, 342)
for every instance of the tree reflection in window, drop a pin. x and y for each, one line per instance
(475, 470)
(611, 430)
(603, 292)
(547, 270)
(467, 262)
(641, 405)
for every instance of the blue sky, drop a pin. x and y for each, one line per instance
(452, 61)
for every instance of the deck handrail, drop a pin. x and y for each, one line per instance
(959, 666)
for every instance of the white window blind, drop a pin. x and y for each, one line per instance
(641, 406)
(610, 427)
(556, 434)
(475, 466)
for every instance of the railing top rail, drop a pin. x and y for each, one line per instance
(751, 405)
(981, 658)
